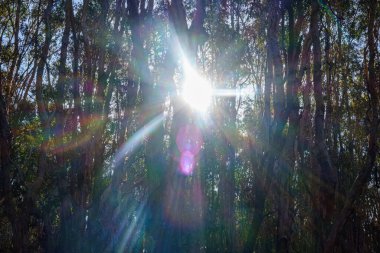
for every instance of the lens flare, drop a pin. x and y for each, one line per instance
(189, 142)
(189, 138)
(187, 163)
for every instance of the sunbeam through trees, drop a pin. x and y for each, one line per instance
(165, 126)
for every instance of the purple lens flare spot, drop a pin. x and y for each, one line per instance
(189, 138)
(187, 163)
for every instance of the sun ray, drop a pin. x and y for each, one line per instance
(129, 146)
(131, 232)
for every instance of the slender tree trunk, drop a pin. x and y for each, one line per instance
(60, 133)
(323, 169)
(42, 110)
(15, 55)
(328, 87)
(6, 195)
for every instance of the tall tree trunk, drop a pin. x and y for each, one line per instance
(43, 165)
(173, 184)
(322, 166)
(84, 174)
(6, 195)
(328, 87)
(60, 133)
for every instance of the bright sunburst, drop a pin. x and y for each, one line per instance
(196, 90)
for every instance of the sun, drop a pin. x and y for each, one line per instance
(196, 90)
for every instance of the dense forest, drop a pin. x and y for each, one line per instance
(189, 126)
